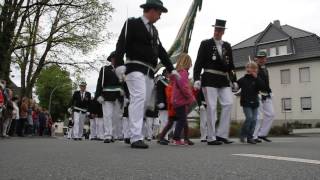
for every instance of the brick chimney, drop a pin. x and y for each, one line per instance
(277, 23)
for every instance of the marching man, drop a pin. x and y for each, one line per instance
(216, 61)
(108, 93)
(266, 109)
(161, 84)
(139, 40)
(80, 104)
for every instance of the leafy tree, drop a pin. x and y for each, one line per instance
(39, 33)
(56, 81)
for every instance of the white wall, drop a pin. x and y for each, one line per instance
(294, 90)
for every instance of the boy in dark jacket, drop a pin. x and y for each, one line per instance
(250, 85)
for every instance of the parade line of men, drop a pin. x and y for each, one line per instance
(131, 104)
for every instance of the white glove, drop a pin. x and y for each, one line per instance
(176, 74)
(197, 85)
(197, 109)
(100, 99)
(202, 108)
(235, 87)
(88, 113)
(120, 71)
(70, 110)
(126, 101)
(161, 105)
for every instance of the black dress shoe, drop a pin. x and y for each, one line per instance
(107, 141)
(76, 139)
(265, 138)
(139, 145)
(127, 140)
(203, 140)
(112, 140)
(251, 141)
(224, 140)
(257, 140)
(79, 139)
(214, 142)
(163, 142)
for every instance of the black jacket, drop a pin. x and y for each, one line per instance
(138, 44)
(96, 108)
(250, 88)
(76, 100)
(110, 88)
(161, 85)
(263, 74)
(207, 51)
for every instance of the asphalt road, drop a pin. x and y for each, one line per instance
(61, 159)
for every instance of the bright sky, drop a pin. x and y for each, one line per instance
(245, 18)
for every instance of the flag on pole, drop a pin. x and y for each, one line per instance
(183, 38)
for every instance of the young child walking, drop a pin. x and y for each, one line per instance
(182, 96)
(250, 85)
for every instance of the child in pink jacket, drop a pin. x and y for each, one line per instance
(182, 96)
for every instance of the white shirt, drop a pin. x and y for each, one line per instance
(219, 44)
(146, 23)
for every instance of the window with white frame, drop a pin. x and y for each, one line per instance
(285, 76)
(272, 52)
(306, 104)
(283, 50)
(286, 104)
(304, 74)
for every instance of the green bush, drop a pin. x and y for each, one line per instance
(280, 130)
(317, 125)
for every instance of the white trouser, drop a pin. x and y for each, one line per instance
(6, 126)
(111, 113)
(93, 129)
(70, 133)
(117, 128)
(225, 97)
(203, 124)
(265, 118)
(163, 117)
(148, 128)
(99, 128)
(126, 128)
(140, 87)
(156, 127)
(78, 123)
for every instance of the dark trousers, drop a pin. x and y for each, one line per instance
(250, 122)
(181, 118)
(20, 126)
(12, 129)
(42, 125)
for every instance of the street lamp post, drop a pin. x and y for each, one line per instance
(50, 98)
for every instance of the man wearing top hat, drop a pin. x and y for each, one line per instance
(139, 40)
(109, 94)
(266, 109)
(80, 104)
(216, 61)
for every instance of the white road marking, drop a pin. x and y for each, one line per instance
(279, 158)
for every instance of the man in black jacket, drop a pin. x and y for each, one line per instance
(216, 60)
(109, 94)
(139, 40)
(266, 109)
(80, 104)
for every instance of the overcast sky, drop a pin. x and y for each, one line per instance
(245, 18)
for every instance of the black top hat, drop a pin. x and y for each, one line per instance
(220, 24)
(112, 55)
(83, 83)
(154, 4)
